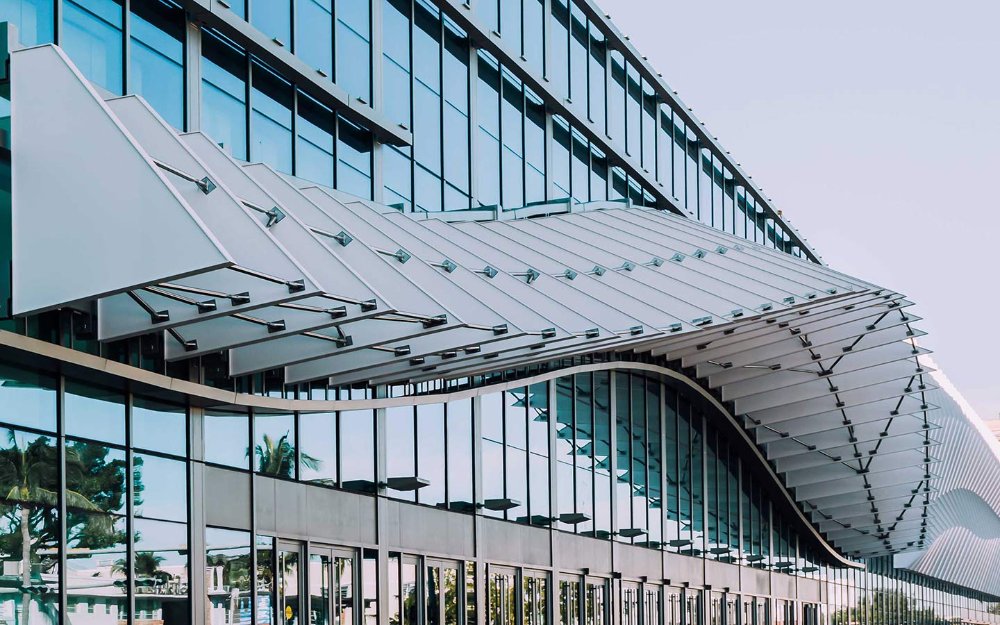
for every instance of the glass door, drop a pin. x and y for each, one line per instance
(332, 586)
(444, 597)
(596, 607)
(502, 596)
(289, 577)
(631, 602)
(534, 604)
(653, 606)
(569, 601)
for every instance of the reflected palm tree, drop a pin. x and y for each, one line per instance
(277, 457)
(29, 476)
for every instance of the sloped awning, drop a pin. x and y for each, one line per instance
(166, 233)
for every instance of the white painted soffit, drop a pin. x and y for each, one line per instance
(821, 368)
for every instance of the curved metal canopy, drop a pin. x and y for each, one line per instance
(177, 237)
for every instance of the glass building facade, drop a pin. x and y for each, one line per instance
(496, 103)
(600, 490)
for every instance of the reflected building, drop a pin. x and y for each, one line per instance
(338, 312)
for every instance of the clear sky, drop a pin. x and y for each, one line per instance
(874, 125)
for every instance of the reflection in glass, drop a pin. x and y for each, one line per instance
(27, 398)
(156, 64)
(353, 47)
(92, 37)
(226, 438)
(569, 602)
(159, 487)
(318, 440)
(159, 426)
(314, 34)
(343, 598)
(160, 566)
(265, 580)
(95, 413)
(432, 579)
(354, 160)
(97, 571)
(319, 589)
(401, 440)
(274, 445)
(451, 590)
(271, 119)
(227, 576)
(410, 592)
(95, 477)
(223, 93)
(35, 20)
(288, 587)
(273, 18)
(460, 471)
(314, 132)
(431, 453)
(357, 450)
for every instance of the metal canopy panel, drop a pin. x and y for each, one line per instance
(109, 195)
(821, 368)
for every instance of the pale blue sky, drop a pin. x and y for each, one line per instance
(874, 125)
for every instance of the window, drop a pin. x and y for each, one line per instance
(557, 70)
(354, 160)
(95, 412)
(487, 162)
(228, 572)
(534, 148)
(158, 426)
(92, 37)
(455, 63)
(271, 120)
(227, 435)
(357, 450)
(223, 93)
(354, 48)
(35, 20)
(534, 34)
(579, 57)
(274, 445)
(156, 66)
(315, 128)
(598, 77)
(314, 33)
(160, 487)
(460, 471)
(160, 569)
(512, 133)
(273, 18)
(27, 398)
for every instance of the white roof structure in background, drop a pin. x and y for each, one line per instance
(166, 233)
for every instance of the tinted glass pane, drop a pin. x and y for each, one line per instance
(534, 148)
(160, 487)
(598, 77)
(98, 542)
(427, 88)
(92, 37)
(27, 398)
(318, 436)
(510, 24)
(314, 33)
(557, 70)
(29, 465)
(95, 477)
(228, 575)
(455, 62)
(271, 123)
(95, 412)
(616, 98)
(34, 19)
(512, 133)
(223, 94)
(578, 40)
(159, 426)
(273, 18)
(227, 436)
(37, 528)
(353, 48)
(354, 160)
(400, 446)
(160, 566)
(357, 450)
(534, 34)
(431, 453)
(488, 142)
(315, 128)
(274, 444)
(459, 414)
(396, 15)
(157, 63)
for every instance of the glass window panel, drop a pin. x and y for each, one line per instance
(455, 62)
(602, 453)
(398, 177)
(691, 171)
(639, 461)
(100, 559)
(369, 586)
(95, 412)
(35, 20)
(510, 24)
(488, 11)
(665, 148)
(27, 398)
(633, 113)
(534, 34)
(226, 439)
(517, 484)
(431, 453)
(271, 122)
(598, 77)
(357, 450)
(488, 144)
(318, 441)
(581, 167)
(92, 37)
(616, 98)
(95, 477)
(354, 160)
(679, 161)
(227, 576)
(560, 158)
(460, 470)
(223, 93)
(401, 446)
(584, 449)
(273, 18)
(159, 488)
(427, 190)
(654, 463)
(159, 426)
(315, 127)
(160, 566)
(579, 58)
(598, 175)
(512, 120)
(623, 461)
(32, 530)
(396, 15)
(266, 601)
(427, 87)
(274, 444)
(156, 70)
(534, 148)
(353, 47)
(557, 69)
(649, 114)
(314, 33)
